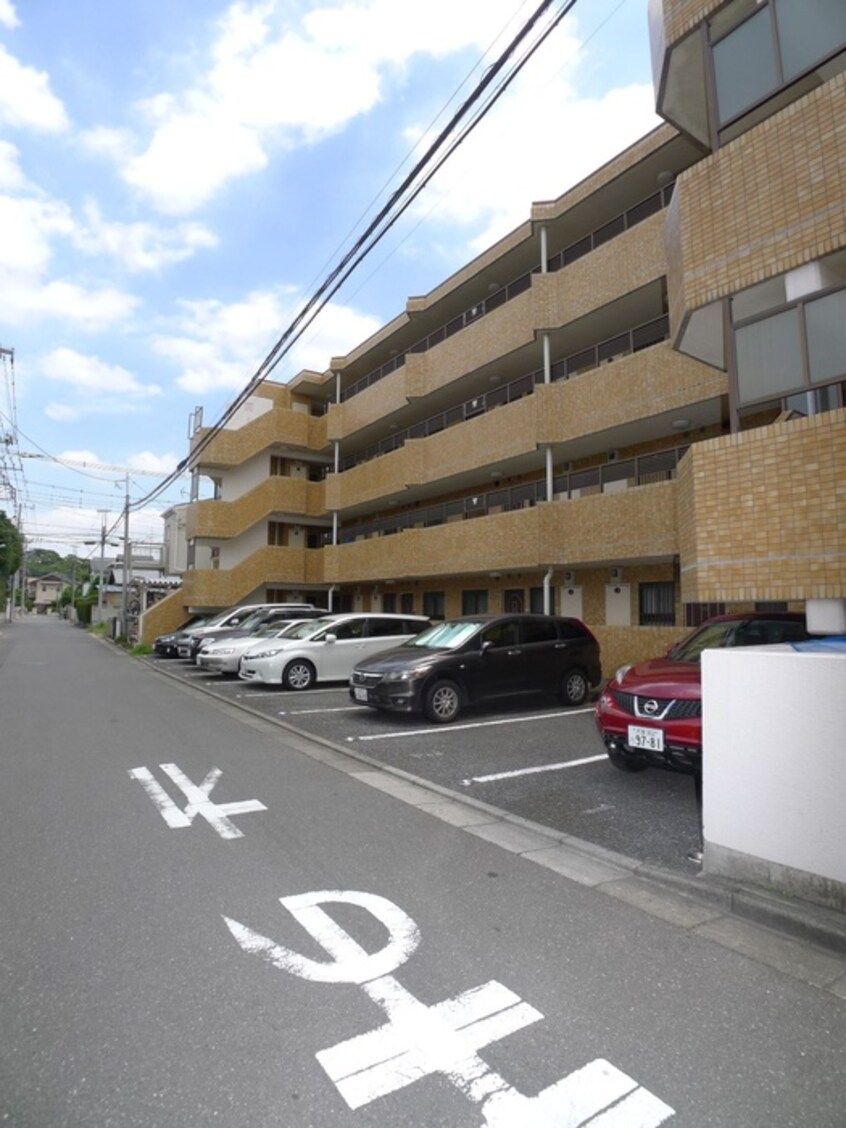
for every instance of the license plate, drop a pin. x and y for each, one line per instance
(359, 694)
(648, 738)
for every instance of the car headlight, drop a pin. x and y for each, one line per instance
(621, 673)
(403, 675)
(264, 654)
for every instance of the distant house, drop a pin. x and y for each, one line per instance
(43, 591)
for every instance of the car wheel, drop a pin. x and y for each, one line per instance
(574, 688)
(442, 702)
(625, 763)
(298, 674)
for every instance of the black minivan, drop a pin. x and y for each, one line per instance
(462, 661)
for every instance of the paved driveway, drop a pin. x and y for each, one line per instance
(533, 758)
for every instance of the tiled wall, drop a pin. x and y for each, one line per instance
(772, 200)
(762, 514)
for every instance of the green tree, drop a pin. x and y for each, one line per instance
(10, 553)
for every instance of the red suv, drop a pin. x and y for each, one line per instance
(651, 714)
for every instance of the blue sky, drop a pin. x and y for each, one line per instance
(175, 179)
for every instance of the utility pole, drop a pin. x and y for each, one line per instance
(103, 514)
(127, 566)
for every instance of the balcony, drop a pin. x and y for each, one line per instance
(221, 520)
(276, 567)
(279, 426)
(622, 401)
(591, 529)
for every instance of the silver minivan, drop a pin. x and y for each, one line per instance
(327, 649)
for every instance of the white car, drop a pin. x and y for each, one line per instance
(223, 655)
(326, 649)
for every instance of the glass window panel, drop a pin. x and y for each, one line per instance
(745, 66)
(825, 322)
(759, 299)
(769, 356)
(809, 30)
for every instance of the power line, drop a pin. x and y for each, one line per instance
(384, 219)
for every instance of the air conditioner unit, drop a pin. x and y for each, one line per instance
(616, 575)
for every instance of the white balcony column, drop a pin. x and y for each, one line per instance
(543, 248)
(337, 456)
(335, 527)
(337, 387)
(547, 360)
(550, 486)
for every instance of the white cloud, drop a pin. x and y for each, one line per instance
(91, 374)
(26, 99)
(89, 309)
(141, 246)
(221, 346)
(153, 463)
(11, 176)
(542, 140)
(86, 456)
(272, 83)
(8, 15)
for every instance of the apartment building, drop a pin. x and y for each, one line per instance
(631, 409)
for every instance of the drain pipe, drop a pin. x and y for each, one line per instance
(547, 581)
(330, 593)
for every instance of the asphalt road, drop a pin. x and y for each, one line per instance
(532, 758)
(205, 923)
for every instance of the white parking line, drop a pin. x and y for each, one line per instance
(533, 771)
(305, 712)
(446, 729)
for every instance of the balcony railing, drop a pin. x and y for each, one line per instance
(623, 344)
(642, 471)
(617, 226)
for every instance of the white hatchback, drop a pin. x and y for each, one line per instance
(326, 649)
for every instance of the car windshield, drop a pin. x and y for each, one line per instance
(446, 636)
(275, 630)
(708, 638)
(253, 621)
(309, 628)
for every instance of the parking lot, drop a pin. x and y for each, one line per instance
(532, 758)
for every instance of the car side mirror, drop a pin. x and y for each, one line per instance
(330, 638)
(487, 645)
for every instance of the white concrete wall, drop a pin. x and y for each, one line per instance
(774, 768)
(232, 552)
(238, 480)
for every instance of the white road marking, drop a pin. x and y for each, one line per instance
(215, 814)
(306, 712)
(446, 729)
(534, 771)
(420, 1040)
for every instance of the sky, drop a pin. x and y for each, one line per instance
(177, 179)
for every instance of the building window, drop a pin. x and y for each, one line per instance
(536, 600)
(277, 465)
(697, 613)
(767, 45)
(434, 604)
(790, 333)
(407, 603)
(275, 533)
(771, 605)
(657, 604)
(513, 601)
(389, 602)
(474, 601)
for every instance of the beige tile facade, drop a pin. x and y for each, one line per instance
(772, 200)
(754, 515)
